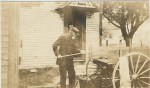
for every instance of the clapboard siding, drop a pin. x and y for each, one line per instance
(92, 30)
(40, 26)
(4, 44)
(4, 81)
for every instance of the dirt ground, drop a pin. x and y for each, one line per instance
(43, 76)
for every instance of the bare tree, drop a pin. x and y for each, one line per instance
(128, 16)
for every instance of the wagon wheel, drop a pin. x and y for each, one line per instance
(100, 76)
(139, 71)
(90, 67)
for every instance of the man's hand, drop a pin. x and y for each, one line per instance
(59, 56)
(82, 51)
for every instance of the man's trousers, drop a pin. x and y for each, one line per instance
(64, 67)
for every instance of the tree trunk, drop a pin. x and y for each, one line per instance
(128, 41)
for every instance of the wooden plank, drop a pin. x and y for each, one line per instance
(124, 73)
(13, 45)
(4, 38)
(4, 78)
(92, 28)
(4, 62)
(4, 69)
(4, 31)
(29, 35)
(30, 4)
(4, 86)
(4, 56)
(5, 21)
(4, 49)
(4, 82)
(5, 4)
(4, 44)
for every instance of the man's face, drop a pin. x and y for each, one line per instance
(73, 35)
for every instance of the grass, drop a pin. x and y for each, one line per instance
(39, 78)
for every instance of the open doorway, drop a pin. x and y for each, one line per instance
(77, 17)
(79, 21)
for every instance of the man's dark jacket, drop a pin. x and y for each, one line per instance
(66, 47)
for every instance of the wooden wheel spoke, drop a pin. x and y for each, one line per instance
(144, 77)
(132, 85)
(144, 71)
(137, 63)
(140, 84)
(116, 77)
(142, 66)
(132, 64)
(130, 72)
(144, 82)
(116, 80)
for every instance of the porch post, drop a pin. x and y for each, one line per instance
(100, 23)
(13, 73)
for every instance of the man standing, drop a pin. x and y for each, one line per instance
(65, 45)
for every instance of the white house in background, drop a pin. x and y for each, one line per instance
(41, 25)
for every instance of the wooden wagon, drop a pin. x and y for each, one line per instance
(115, 67)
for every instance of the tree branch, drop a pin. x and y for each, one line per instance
(112, 16)
(105, 15)
(143, 21)
(137, 26)
(111, 21)
(127, 28)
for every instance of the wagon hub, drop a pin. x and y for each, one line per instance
(134, 76)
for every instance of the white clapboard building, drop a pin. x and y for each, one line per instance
(42, 24)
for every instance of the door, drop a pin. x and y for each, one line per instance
(79, 21)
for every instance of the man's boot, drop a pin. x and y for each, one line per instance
(72, 86)
(63, 86)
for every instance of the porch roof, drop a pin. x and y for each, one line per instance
(84, 6)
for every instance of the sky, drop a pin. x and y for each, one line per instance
(141, 35)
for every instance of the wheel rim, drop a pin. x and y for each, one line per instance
(90, 67)
(139, 68)
(104, 78)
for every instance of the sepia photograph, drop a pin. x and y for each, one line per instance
(75, 44)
